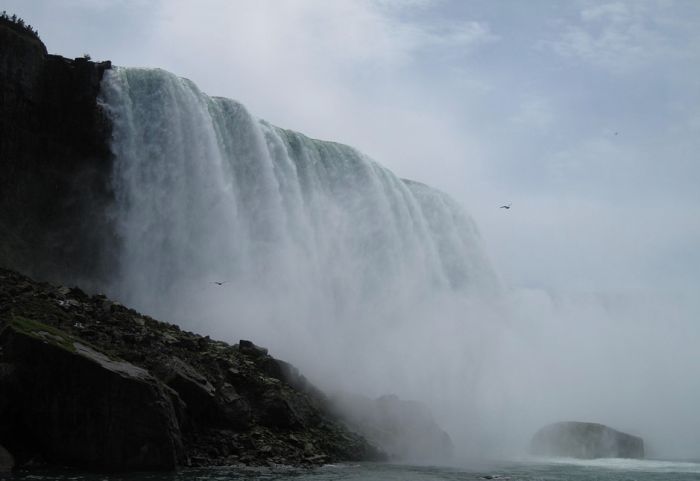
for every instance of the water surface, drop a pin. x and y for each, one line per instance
(527, 470)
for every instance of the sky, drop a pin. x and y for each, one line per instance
(585, 115)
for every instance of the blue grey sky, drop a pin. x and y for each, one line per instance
(584, 114)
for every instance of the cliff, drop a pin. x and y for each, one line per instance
(87, 382)
(55, 162)
(586, 441)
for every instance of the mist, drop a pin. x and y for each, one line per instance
(580, 300)
(371, 284)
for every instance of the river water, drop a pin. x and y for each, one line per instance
(524, 470)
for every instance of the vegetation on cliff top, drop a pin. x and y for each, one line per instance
(18, 24)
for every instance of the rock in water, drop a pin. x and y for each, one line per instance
(585, 441)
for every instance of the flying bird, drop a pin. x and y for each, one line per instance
(505, 206)
(219, 283)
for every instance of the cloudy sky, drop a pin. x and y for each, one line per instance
(584, 114)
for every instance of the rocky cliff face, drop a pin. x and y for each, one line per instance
(586, 441)
(87, 382)
(54, 162)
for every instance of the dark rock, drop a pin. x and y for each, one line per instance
(55, 162)
(233, 408)
(74, 405)
(247, 347)
(225, 403)
(586, 441)
(7, 462)
(192, 386)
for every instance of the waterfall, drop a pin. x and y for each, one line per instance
(316, 243)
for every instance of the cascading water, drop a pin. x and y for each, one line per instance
(328, 258)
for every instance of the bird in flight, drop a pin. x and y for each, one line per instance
(505, 206)
(219, 283)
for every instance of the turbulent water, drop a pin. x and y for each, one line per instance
(533, 470)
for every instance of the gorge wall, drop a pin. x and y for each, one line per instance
(55, 162)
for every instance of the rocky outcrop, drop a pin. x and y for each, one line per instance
(405, 430)
(586, 441)
(87, 382)
(54, 162)
(72, 404)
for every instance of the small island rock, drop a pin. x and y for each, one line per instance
(585, 441)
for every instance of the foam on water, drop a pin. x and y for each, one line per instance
(624, 464)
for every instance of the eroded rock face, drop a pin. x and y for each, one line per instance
(586, 441)
(55, 162)
(72, 404)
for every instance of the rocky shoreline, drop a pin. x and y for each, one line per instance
(89, 383)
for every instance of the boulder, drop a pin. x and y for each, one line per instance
(204, 404)
(72, 404)
(250, 348)
(586, 441)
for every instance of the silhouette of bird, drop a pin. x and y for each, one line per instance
(219, 283)
(505, 206)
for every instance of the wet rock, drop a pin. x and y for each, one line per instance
(586, 441)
